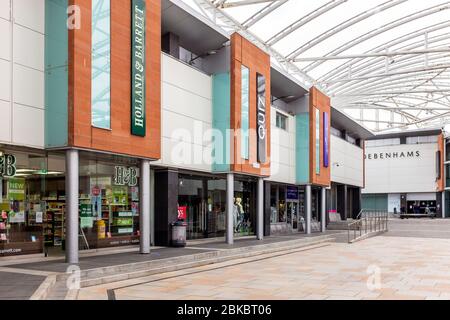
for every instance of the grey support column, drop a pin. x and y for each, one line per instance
(323, 210)
(260, 210)
(72, 189)
(444, 205)
(308, 209)
(230, 205)
(144, 212)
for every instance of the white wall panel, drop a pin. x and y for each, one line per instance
(5, 9)
(30, 14)
(394, 201)
(24, 39)
(5, 39)
(347, 162)
(186, 116)
(5, 127)
(29, 87)
(184, 102)
(185, 77)
(5, 80)
(28, 126)
(282, 150)
(421, 197)
(25, 116)
(401, 174)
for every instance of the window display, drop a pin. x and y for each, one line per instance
(203, 201)
(109, 202)
(244, 209)
(22, 178)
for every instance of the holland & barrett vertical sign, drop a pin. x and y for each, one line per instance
(138, 67)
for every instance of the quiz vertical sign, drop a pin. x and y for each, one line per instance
(138, 67)
(326, 139)
(261, 118)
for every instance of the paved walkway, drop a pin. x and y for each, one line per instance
(18, 286)
(385, 267)
(419, 228)
(20, 279)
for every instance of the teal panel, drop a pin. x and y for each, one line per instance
(221, 122)
(375, 202)
(302, 148)
(56, 73)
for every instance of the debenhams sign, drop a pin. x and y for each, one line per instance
(392, 155)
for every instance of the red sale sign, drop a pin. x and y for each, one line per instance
(182, 213)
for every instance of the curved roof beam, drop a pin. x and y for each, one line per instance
(262, 13)
(303, 21)
(359, 63)
(383, 29)
(357, 84)
(214, 14)
(350, 22)
(358, 69)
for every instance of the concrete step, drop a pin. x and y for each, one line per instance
(111, 274)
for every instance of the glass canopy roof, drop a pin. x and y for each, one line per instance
(383, 62)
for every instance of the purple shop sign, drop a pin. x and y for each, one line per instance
(326, 140)
(292, 193)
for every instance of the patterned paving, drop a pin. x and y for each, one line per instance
(384, 267)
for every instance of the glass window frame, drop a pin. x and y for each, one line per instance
(101, 65)
(245, 112)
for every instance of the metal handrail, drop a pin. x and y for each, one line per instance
(374, 221)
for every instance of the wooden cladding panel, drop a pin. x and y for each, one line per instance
(118, 139)
(243, 52)
(440, 183)
(322, 102)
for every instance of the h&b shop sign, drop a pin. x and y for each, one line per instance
(7, 165)
(138, 68)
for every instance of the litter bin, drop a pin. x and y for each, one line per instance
(178, 234)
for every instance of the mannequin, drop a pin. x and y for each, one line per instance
(235, 215)
(238, 212)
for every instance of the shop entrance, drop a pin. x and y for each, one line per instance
(292, 214)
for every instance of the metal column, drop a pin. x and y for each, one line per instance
(444, 204)
(308, 209)
(230, 206)
(323, 210)
(144, 199)
(260, 210)
(72, 189)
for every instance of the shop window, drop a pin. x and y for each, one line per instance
(281, 121)
(351, 140)
(101, 64)
(109, 202)
(282, 204)
(244, 208)
(191, 196)
(203, 200)
(22, 209)
(273, 204)
(335, 132)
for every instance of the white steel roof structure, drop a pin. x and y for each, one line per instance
(386, 63)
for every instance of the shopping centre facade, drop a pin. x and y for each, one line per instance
(405, 173)
(141, 112)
